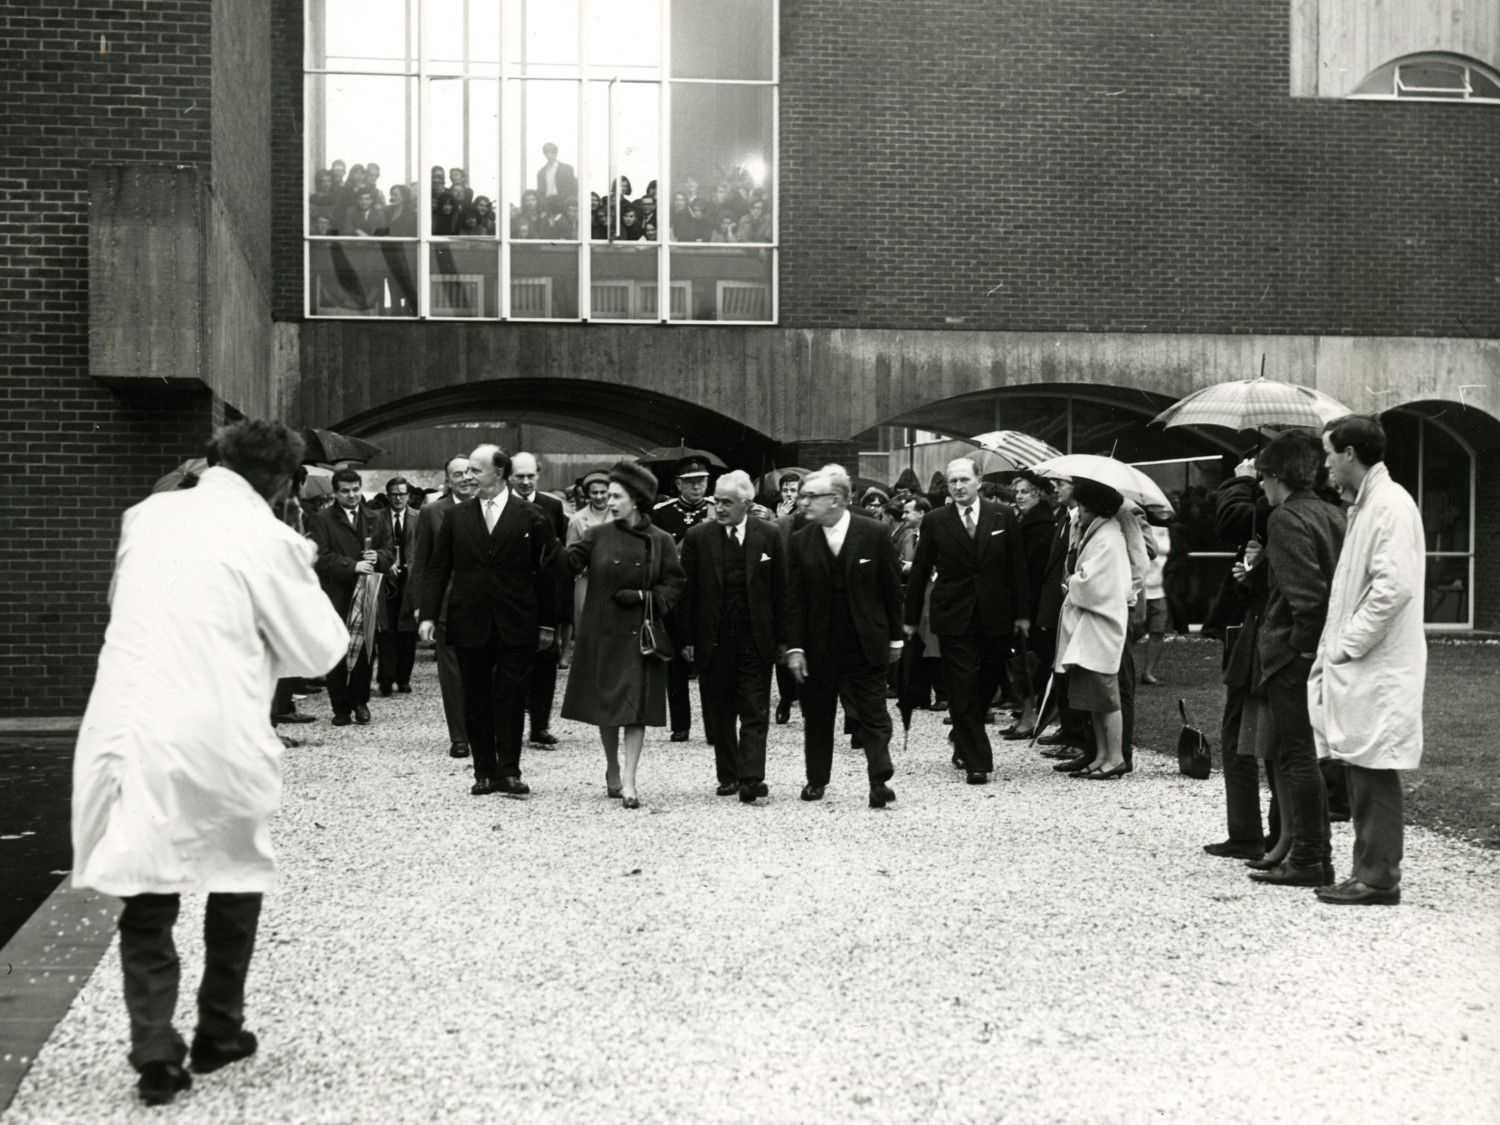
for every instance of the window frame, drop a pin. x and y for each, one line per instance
(1429, 94)
(586, 77)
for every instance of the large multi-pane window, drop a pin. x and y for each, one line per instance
(1437, 468)
(542, 159)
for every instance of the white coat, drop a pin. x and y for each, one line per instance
(178, 770)
(1091, 626)
(1365, 691)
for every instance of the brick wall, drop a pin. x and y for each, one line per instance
(78, 452)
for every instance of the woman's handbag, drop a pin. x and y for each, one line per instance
(1193, 758)
(654, 640)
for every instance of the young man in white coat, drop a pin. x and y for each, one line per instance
(213, 599)
(1365, 691)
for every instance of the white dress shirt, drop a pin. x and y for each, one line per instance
(493, 508)
(835, 534)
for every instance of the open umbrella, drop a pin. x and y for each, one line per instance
(1125, 479)
(324, 447)
(909, 683)
(1020, 451)
(664, 459)
(1248, 404)
(191, 469)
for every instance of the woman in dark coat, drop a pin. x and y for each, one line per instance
(612, 686)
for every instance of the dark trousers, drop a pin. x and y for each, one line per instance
(1127, 700)
(736, 685)
(1375, 801)
(1337, 784)
(451, 684)
(1241, 775)
(1296, 760)
(679, 694)
(786, 685)
(496, 678)
(396, 656)
(349, 688)
(861, 687)
(973, 667)
(148, 956)
(543, 689)
(282, 702)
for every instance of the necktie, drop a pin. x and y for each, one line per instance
(734, 536)
(490, 515)
(969, 521)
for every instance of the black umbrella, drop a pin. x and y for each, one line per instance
(324, 447)
(910, 687)
(664, 459)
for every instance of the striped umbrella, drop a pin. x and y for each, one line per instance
(363, 608)
(1249, 404)
(1021, 450)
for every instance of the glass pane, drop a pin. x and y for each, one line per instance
(541, 37)
(1382, 82)
(624, 283)
(1447, 591)
(544, 282)
(361, 136)
(721, 285)
(623, 137)
(541, 157)
(463, 279)
(1433, 78)
(721, 157)
(1482, 85)
(1446, 473)
(362, 278)
(464, 143)
(624, 38)
(463, 37)
(362, 35)
(722, 39)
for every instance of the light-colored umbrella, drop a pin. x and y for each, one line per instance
(363, 608)
(1248, 404)
(1021, 450)
(1125, 479)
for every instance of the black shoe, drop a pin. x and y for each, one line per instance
(458, 750)
(208, 1055)
(483, 786)
(1285, 875)
(727, 789)
(958, 760)
(978, 777)
(750, 791)
(881, 795)
(783, 713)
(1105, 775)
(361, 714)
(1058, 739)
(512, 787)
(342, 720)
(161, 1081)
(1060, 753)
(812, 793)
(679, 736)
(1354, 893)
(1075, 765)
(404, 689)
(1263, 864)
(630, 802)
(385, 689)
(543, 738)
(856, 742)
(292, 717)
(1236, 849)
(1016, 734)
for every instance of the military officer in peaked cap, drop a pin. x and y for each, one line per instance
(676, 516)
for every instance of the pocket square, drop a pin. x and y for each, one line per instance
(863, 561)
(1000, 532)
(765, 558)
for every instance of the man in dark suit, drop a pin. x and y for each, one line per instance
(731, 622)
(556, 183)
(352, 541)
(461, 486)
(978, 602)
(502, 610)
(676, 515)
(396, 653)
(843, 629)
(523, 476)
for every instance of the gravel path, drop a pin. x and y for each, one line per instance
(1037, 950)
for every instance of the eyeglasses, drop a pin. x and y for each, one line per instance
(818, 495)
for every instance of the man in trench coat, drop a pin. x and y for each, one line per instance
(178, 770)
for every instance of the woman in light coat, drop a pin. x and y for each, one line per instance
(1091, 627)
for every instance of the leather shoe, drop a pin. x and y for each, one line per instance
(958, 760)
(342, 720)
(856, 742)
(1015, 734)
(1058, 739)
(978, 777)
(458, 750)
(512, 787)
(361, 714)
(1060, 753)
(812, 793)
(161, 1081)
(483, 786)
(1236, 849)
(208, 1055)
(1074, 765)
(1104, 775)
(748, 793)
(1285, 875)
(385, 689)
(881, 795)
(1352, 892)
(543, 738)
(292, 717)
(404, 689)
(727, 789)
(679, 736)
(783, 713)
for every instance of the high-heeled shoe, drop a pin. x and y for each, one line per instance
(631, 802)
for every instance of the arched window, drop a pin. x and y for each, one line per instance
(1432, 78)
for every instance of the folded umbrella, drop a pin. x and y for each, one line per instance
(909, 684)
(364, 609)
(1125, 479)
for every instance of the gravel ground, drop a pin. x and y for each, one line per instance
(1037, 950)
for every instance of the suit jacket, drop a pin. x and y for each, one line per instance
(399, 582)
(874, 589)
(566, 178)
(1303, 540)
(552, 507)
(340, 546)
(982, 585)
(429, 519)
(1038, 533)
(1050, 597)
(504, 583)
(700, 608)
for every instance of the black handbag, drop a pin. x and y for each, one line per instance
(655, 643)
(1193, 757)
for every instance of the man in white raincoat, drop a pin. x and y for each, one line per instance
(1365, 692)
(177, 770)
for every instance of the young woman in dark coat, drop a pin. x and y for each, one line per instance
(612, 686)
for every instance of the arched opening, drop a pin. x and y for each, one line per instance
(1434, 76)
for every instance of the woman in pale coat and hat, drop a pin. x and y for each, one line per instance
(612, 685)
(1366, 686)
(1091, 627)
(177, 770)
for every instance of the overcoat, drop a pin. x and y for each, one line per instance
(1365, 692)
(177, 770)
(1091, 627)
(611, 684)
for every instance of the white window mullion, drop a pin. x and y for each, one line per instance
(423, 177)
(664, 171)
(585, 172)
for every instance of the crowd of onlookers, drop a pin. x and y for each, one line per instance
(350, 201)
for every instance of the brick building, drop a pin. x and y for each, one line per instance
(979, 214)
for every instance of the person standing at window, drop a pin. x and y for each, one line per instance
(555, 182)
